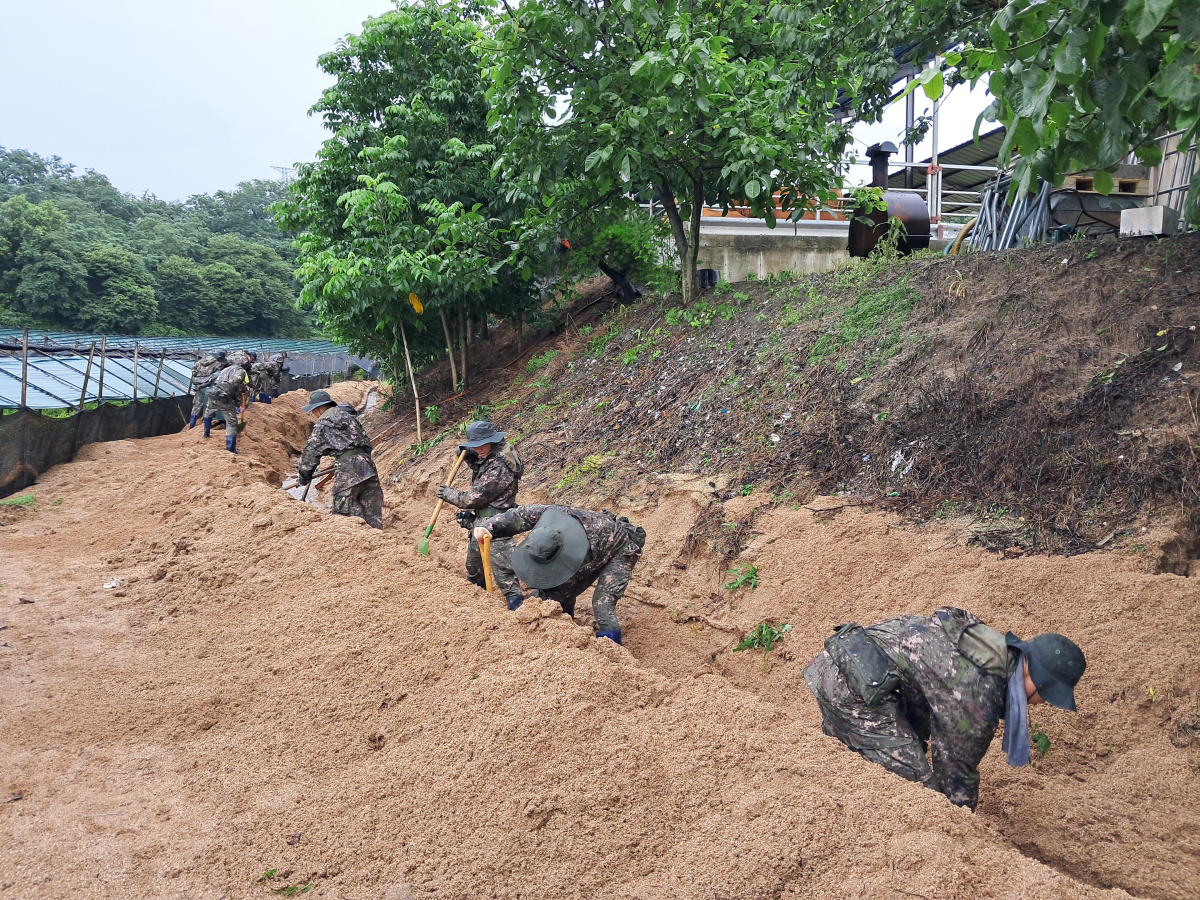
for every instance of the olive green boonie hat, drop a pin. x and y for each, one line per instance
(317, 399)
(553, 552)
(1055, 665)
(480, 433)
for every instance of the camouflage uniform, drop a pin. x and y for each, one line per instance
(944, 700)
(494, 483)
(356, 489)
(265, 376)
(225, 394)
(609, 563)
(202, 371)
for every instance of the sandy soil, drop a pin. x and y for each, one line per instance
(267, 688)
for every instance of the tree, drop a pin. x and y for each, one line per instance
(401, 201)
(1077, 85)
(180, 289)
(122, 296)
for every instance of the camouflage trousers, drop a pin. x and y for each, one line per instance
(224, 410)
(502, 571)
(199, 401)
(611, 583)
(364, 499)
(881, 733)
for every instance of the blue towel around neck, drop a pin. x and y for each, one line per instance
(1016, 717)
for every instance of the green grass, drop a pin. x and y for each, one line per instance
(875, 317)
(763, 637)
(540, 362)
(27, 500)
(582, 472)
(742, 576)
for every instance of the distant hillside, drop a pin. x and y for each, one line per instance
(77, 254)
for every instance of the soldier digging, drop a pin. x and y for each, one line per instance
(496, 472)
(202, 373)
(943, 683)
(338, 433)
(567, 550)
(226, 393)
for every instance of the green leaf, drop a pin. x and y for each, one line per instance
(1103, 181)
(934, 87)
(592, 158)
(625, 168)
(1145, 15)
(753, 188)
(650, 14)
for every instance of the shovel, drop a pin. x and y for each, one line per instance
(423, 544)
(485, 552)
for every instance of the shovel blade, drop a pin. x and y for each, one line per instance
(423, 547)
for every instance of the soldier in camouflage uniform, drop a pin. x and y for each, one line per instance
(941, 683)
(226, 393)
(265, 376)
(356, 489)
(567, 550)
(202, 372)
(496, 472)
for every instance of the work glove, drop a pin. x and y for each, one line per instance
(446, 493)
(465, 519)
(480, 533)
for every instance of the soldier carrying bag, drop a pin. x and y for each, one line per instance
(868, 670)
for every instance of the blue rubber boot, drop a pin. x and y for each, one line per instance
(515, 601)
(613, 635)
(208, 426)
(231, 444)
(191, 423)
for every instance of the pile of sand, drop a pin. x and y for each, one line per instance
(264, 687)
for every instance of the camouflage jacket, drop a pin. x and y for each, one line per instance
(607, 538)
(950, 701)
(494, 480)
(337, 433)
(265, 375)
(230, 382)
(204, 369)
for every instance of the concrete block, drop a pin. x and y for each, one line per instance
(1157, 220)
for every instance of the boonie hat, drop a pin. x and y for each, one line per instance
(316, 399)
(553, 552)
(480, 433)
(1055, 665)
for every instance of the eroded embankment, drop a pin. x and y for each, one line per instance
(274, 689)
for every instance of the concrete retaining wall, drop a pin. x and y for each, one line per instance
(740, 248)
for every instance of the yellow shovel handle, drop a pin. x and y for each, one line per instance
(449, 480)
(485, 551)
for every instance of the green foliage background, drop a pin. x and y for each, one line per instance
(77, 254)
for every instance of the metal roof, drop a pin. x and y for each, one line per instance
(82, 341)
(966, 154)
(56, 382)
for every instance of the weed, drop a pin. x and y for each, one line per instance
(432, 415)
(729, 527)
(56, 501)
(631, 355)
(425, 446)
(1041, 740)
(742, 576)
(763, 636)
(585, 330)
(597, 344)
(580, 473)
(875, 316)
(482, 411)
(747, 490)
(540, 362)
(27, 500)
(291, 890)
(1091, 254)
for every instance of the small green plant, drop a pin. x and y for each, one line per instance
(585, 330)
(631, 355)
(1041, 740)
(56, 501)
(432, 415)
(360, 375)
(763, 636)
(291, 890)
(425, 446)
(540, 362)
(747, 490)
(742, 576)
(27, 500)
(590, 466)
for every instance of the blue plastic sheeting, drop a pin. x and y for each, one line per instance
(82, 341)
(57, 382)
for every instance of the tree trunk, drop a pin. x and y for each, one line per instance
(683, 248)
(450, 353)
(462, 334)
(413, 379)
(520, 332)
(625, 291)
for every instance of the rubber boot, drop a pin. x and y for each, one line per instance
(208, 426)
(477, 581)
(264, 398)
(613, 635)
(515, 601)
(231, 446)
(191, 423)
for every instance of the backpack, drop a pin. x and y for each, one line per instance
(636, 533)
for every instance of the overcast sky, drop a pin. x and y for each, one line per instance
(182, 98)
(175, 98)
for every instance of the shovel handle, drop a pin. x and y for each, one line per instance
(485, 551)
(449, 480)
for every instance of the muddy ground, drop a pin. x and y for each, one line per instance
(265, 698)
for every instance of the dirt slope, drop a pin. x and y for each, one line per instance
(269, 688)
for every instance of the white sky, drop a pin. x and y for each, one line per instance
(169, 97)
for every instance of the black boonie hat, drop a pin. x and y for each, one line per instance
(553, 552)
(1055, 665)
(316, 399)
(480, 433)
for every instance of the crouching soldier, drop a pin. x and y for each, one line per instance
(567, 550)
(496, 472)
(356, 489)
(940, 682)
(265, 376)
(202, 373)
(226, 394)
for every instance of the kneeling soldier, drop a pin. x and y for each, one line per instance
(356, 489)
(940, 682)
(496, 472)
(569, 549)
